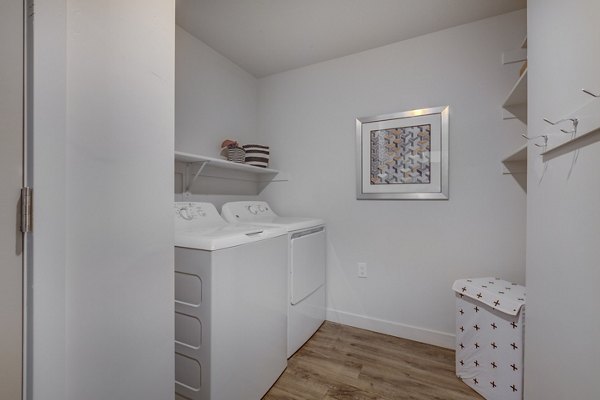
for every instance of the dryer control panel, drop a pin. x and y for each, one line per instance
(189, 211)
(247, 210)
(191, 214)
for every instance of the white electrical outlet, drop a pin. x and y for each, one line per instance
(362, 270)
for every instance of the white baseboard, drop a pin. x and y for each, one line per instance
(415, 333)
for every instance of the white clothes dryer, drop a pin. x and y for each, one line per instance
(306, 265)
(230, 306)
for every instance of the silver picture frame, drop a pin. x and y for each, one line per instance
(413, 183)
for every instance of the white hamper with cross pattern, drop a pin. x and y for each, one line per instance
(490, 322)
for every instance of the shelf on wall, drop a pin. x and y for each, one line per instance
(572, 144)
(211, 170)
(519, 155)
(516, 101)
(516, 162)
(588, 132)
(516, 55)
(515, 165)
(220, 163)
(515, 106)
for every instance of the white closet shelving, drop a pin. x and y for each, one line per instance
(516, 105)
(224, 164)
(516, 163)
(516, 101)
(587, 130)
(571, 144)
(202, 173)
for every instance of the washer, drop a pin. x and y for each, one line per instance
(306, 266)
(230, 306)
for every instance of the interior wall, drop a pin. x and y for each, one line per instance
(563, 324)
(119, 177)
(214, 100)
(414, 249)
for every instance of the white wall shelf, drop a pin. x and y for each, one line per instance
(572, 144)
(220, 163)
(515, 106)
(516, 101)
(588, 132)
(210, 169)
(515, 165)
(518, 155)
(516, 162)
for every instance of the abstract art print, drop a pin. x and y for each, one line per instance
(403, 155)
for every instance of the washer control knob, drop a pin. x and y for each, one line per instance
(185, 213)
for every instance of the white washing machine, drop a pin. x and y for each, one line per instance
(230, 306)
(306, 265)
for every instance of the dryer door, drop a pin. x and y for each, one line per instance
(308, 259)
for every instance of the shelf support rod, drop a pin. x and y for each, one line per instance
(191, 182)
(545, 137)
(590, 93)
(574, 121)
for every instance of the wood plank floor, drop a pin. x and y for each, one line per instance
(342, 363)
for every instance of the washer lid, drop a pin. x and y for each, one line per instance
(199, 226)
(260, 213)
(290, 224)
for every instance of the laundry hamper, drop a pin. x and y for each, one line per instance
(257, 155)
(490, 321)
(236, 154)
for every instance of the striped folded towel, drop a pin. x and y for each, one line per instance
(257, 155)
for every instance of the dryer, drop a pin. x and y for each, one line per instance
(306, 265)
(230, 306)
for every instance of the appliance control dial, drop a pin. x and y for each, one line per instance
(191, 212)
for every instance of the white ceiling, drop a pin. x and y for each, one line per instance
(269, 36)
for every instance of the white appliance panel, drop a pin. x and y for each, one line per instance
(260, 213)
(188, 330)
(249, 316)
(307, 263)
(243, 321)
(193, 266)
(188, 372)
(246, 211)
(188, 289)
(304, 319)
(199, 225)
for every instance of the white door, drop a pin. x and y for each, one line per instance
(11, 180)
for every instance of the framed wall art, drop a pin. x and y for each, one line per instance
(403, 156)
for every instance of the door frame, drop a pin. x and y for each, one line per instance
(16, 267)
(45, 161)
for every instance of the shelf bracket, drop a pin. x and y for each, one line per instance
(545, 137)
(590, 93)
(190, 182)
(514, 56)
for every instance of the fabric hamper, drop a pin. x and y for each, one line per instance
(257, 155)
(490, 322)
(236, 154)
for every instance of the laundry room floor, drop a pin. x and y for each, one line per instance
(342, 363)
